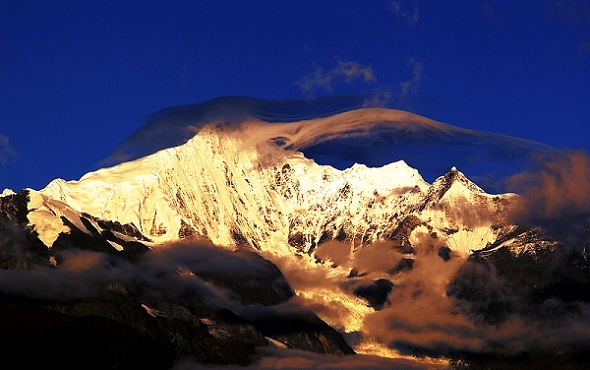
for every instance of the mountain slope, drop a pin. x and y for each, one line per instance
(236, 187)
(241, 187)
(184, 300)
(391, 262)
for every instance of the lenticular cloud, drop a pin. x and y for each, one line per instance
(429, 146)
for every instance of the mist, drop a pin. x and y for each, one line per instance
(559, 190)
(290, 359)
(445, 306)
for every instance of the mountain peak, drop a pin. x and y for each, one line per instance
(6, 192)
(236, 189)
(453, 182)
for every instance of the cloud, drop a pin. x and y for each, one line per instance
(378, 99)
(6, 150)
(377, 257)
(399, 9)
(420, 314)
(168, 271)
(423, 315)
(334, 251)
(560, 189)
(79, 274)
(489, 11)
(291, 359)
(411, 86)
(343, 73)
(419, 311)
(511, 318)
(577, 11)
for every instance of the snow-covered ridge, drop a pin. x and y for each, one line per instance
(247, 184)
(6, 192)
(235, 185)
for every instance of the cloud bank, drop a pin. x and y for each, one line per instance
(560, 189)
(291, 359)
(425, 315)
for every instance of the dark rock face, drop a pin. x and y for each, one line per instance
(14, 207)
(303, 331)
(375, 293)
(34, 337)
(500, 284)
(546, 284)
(19, 245)
(404, 265)
(444, 253)
(133, 308)
(175, 327)
(268, 287)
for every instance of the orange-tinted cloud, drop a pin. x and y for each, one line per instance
(420, 313)
(378, 257)
(291, 359)
(335, 251)
(560, 189)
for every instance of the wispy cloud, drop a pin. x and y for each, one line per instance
(489, 11)
(576, 11)
(400, 10)
(378, 99)
(6, 150)
(411, 86)
(345, 72)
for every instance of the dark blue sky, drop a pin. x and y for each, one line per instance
(76, 78)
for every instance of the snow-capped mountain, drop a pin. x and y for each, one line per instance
(236, 186)
(354, 244)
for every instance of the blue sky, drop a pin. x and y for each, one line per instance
(76, 78)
